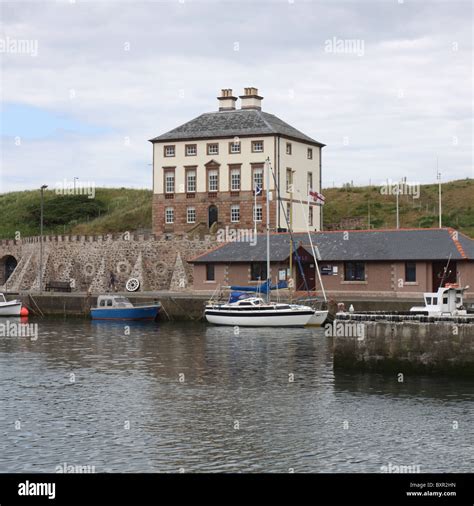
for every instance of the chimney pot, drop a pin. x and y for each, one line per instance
(227, 100)
(251, 99)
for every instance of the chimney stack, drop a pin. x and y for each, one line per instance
(251, 99)
(226, 100)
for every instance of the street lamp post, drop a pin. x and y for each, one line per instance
(41, 239)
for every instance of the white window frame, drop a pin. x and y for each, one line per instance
(210, 146)
(169, 215)
(310, 153)
(254, 146)
(309, 181)
(170, 151)
(190, 210)
(235, 145)
(258, 213)
(233, 180)
(168, 180)
(257, 172)
(288, 148)
(213, 177)
(191, 147)
(235, 211)
(191, 174)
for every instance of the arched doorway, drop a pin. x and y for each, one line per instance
(212, 216)
(7, 265)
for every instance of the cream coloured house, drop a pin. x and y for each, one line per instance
(206, 170)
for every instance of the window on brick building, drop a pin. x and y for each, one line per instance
(410, 272)
(191, 215)
(310, 181)
(213, 180)
(257, 178)
(191, 149)
(210, 272)
(235, 213)
(234, 147)
(257, 212)
(169, 151)
(169, 181)
(257, 146)
(354, 271)
(190, 181)
(235, 180)
(169, 215)
(213, 149)
(289, 180)
(258, 271)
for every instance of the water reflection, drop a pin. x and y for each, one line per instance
(139, 397)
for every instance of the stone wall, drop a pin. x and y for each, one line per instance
(160, 263)
(408, 347)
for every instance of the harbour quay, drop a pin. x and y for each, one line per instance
(441, 346)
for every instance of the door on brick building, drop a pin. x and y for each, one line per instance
(439, 271)
(309, 270)
(212, 215)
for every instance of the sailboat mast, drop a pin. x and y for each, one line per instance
(267, 184)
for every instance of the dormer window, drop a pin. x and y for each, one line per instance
(169, 151)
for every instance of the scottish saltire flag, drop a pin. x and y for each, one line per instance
(318, 198)
(258, 189)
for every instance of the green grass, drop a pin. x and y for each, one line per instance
(116, 210)
(422, 212)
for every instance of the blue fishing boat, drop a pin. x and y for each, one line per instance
(118, 307)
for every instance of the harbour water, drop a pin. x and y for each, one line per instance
(174, 397)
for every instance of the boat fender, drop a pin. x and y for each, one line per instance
(24, 311)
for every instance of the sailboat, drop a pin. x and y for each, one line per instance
(248, 310)
(255, 311)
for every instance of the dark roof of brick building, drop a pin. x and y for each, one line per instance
(241, 122)
(355, 245)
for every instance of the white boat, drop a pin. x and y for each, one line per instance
(318, 318)
(447, 301)
(255, 312)
(9, 307)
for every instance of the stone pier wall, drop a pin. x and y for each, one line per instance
(426, 348)
(160, 263)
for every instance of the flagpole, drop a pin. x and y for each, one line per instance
(267, 182)
(255, 208)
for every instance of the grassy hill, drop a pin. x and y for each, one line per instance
(121, 209)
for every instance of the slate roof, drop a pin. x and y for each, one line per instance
(376, 245)
(233, 124)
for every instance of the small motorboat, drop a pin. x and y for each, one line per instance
(118, 307)
(447, 301)
(9, 307)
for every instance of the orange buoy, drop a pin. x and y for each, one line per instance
(24, 311)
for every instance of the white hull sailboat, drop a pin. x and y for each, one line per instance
(255, 312)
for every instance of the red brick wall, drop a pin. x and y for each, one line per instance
(201, 202)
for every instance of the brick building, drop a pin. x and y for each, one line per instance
(381, 262)
(205, 171)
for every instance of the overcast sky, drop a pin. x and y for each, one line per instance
(107, 76)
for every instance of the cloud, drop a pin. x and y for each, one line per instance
(131, 71)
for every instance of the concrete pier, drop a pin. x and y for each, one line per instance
(405, 347)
